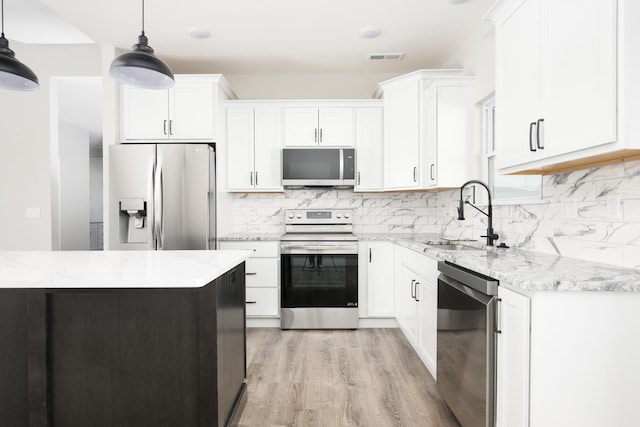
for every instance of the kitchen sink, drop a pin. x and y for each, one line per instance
(453, 247)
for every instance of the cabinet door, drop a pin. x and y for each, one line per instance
(191, 110)
(518, 84)
(512, 406)
(268, 149)
(380, 280)
(581, 80)
(402, 136)
(262, 301)
(240, 149)
(369, 149)
(336, 127)
(427, 298)
(262, 272)
(144, 114)
(431, 113)
(301, 127)
(401, 295)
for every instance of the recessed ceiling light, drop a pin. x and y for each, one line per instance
(457, 1)
(369, 32)
(198, 33)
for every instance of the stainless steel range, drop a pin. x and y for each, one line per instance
(319, 257)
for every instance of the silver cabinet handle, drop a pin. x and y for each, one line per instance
(358, 177)
(538, 126)
(320, 134)
(170, 127)
(415, 171)
(250, 274)
(433, 178)
(251, 302)
(251, 177)
(164, 127)
(315, 135)
(413, 282)
(416, 298)
(531, 146)
(256, 178)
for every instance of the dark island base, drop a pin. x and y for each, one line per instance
(124, 357)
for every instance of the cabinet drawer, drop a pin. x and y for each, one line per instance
(420, 264)
(260, 249)
(262, 301)
(262, 272)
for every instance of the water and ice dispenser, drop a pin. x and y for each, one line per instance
(133, 221)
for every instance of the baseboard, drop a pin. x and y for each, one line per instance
(366, 322)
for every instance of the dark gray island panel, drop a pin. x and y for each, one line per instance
(123, 357)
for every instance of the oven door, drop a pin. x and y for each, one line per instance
(319, 274)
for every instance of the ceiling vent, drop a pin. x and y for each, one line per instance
(385, 56)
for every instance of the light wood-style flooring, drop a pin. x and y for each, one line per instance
(368, 377)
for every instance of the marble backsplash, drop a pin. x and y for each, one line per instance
(572, 218)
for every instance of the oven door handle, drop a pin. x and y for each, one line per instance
(319, 249)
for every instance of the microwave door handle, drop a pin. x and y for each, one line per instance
(341, 164)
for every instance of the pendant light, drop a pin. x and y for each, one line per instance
(140, 67)
(14, 74)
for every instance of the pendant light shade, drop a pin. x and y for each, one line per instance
(140, 67)
(14, 74)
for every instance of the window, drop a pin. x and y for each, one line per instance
(505, 188)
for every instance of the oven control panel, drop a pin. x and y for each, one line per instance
(318, 216)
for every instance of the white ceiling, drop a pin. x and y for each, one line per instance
(259, 36)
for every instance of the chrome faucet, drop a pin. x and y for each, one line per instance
(491, 236)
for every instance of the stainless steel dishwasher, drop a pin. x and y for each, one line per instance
(466, 349)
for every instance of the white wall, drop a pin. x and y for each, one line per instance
(306, 86)
(25, 159)
(74, 201)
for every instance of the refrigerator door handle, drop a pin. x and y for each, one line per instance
(158, 204)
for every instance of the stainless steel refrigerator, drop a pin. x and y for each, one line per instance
(162, 196)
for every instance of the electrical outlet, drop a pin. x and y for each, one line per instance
(569, 208)
(613, 206)
(32, 212)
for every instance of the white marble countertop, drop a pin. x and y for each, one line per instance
(115, 269)
(520, 269)
(515, 268)
(258, 237)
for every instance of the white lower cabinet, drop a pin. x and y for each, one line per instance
(380, 279)
(262, 302)
(568, 358)
(416, 296)
(262, 276)
(512, 405)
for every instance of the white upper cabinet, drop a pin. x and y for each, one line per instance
(369, 148)
(402, 139)
(186, 112)
(563, 69)
(330, 126)
(450, 159)
(427, 130)
(254, 143)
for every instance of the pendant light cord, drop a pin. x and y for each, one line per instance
(2, 17)
(142, 17)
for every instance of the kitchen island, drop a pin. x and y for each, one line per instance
(122, 338)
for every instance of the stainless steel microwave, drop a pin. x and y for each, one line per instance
(318, 167)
